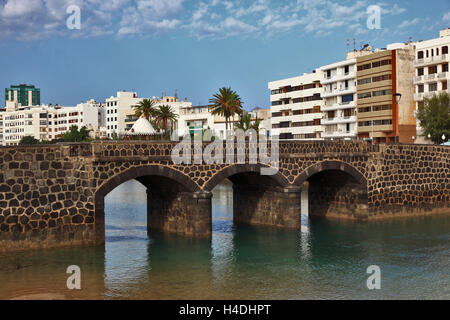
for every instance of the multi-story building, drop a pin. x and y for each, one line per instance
(117, 109)
(48, 122)
(120, 112)
(194, 120)
(381, 77)
(26, 95)
(431, 71)
(2, 112)
(339, 96)
(297, 107)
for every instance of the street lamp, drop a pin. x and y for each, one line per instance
(398, 97)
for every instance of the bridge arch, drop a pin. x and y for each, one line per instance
(278, 179)
(330, 165)
(171, 196)
(333, 189)
(142, 171)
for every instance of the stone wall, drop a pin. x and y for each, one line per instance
(54, 195)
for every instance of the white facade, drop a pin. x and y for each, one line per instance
(2, 112)
(116, 112)
(297, 107)
(194, 120)
(48, 122)
(120, 112)
(432, 74)
(339, 95)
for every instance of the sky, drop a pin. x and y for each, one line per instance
(194, 47)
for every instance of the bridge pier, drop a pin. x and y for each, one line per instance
(267, 206)
(183, 213)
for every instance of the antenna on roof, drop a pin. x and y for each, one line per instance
(348, 45)
(354, 44)
(176, 94)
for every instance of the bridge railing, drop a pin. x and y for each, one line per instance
(162, 150)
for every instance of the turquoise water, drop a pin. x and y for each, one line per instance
(325, 260)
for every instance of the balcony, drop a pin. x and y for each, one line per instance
(340, 106)
(338, 92)
(430, 60)
(339, 134)
(339, 120)
(418, 79)
(443, 75)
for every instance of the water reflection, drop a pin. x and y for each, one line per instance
(324, 260)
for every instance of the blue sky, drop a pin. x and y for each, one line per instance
(156, 46)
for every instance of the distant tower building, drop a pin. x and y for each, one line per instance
(26, 95)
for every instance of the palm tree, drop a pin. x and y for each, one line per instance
(163, 116)
(226, 103)
(246, 123)
(145, 108)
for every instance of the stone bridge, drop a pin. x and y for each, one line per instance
(53, 195)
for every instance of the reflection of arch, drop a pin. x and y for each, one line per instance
(330, 165)
(142, 171)
(243, 168)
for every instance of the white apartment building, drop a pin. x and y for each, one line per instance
(297, 107)
(48, 122)
(120, 112)
(2, 112)
(339, 100)
(432, 73)
(116, 112)
(194, 119)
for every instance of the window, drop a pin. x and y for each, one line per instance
(420, 72)
(382, 78)
(445, 50)
(432, 87)
(381, 93)
(420, 88)
(347, 98)
(420, 55)
(432, 70)
(346, 69)
(365, 95)
(364, 67)
(364, 110)
(364, 81)
(445, 67)
(444, 85)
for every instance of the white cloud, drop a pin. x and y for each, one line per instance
(409, 23)
(446, 17)
(37, 19)
(21, 8)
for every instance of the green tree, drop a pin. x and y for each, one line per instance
(246, 123)
(164, 116)
(28, 140)
(226, 103)
(75, 135)
(145, 108)
(434, 117)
